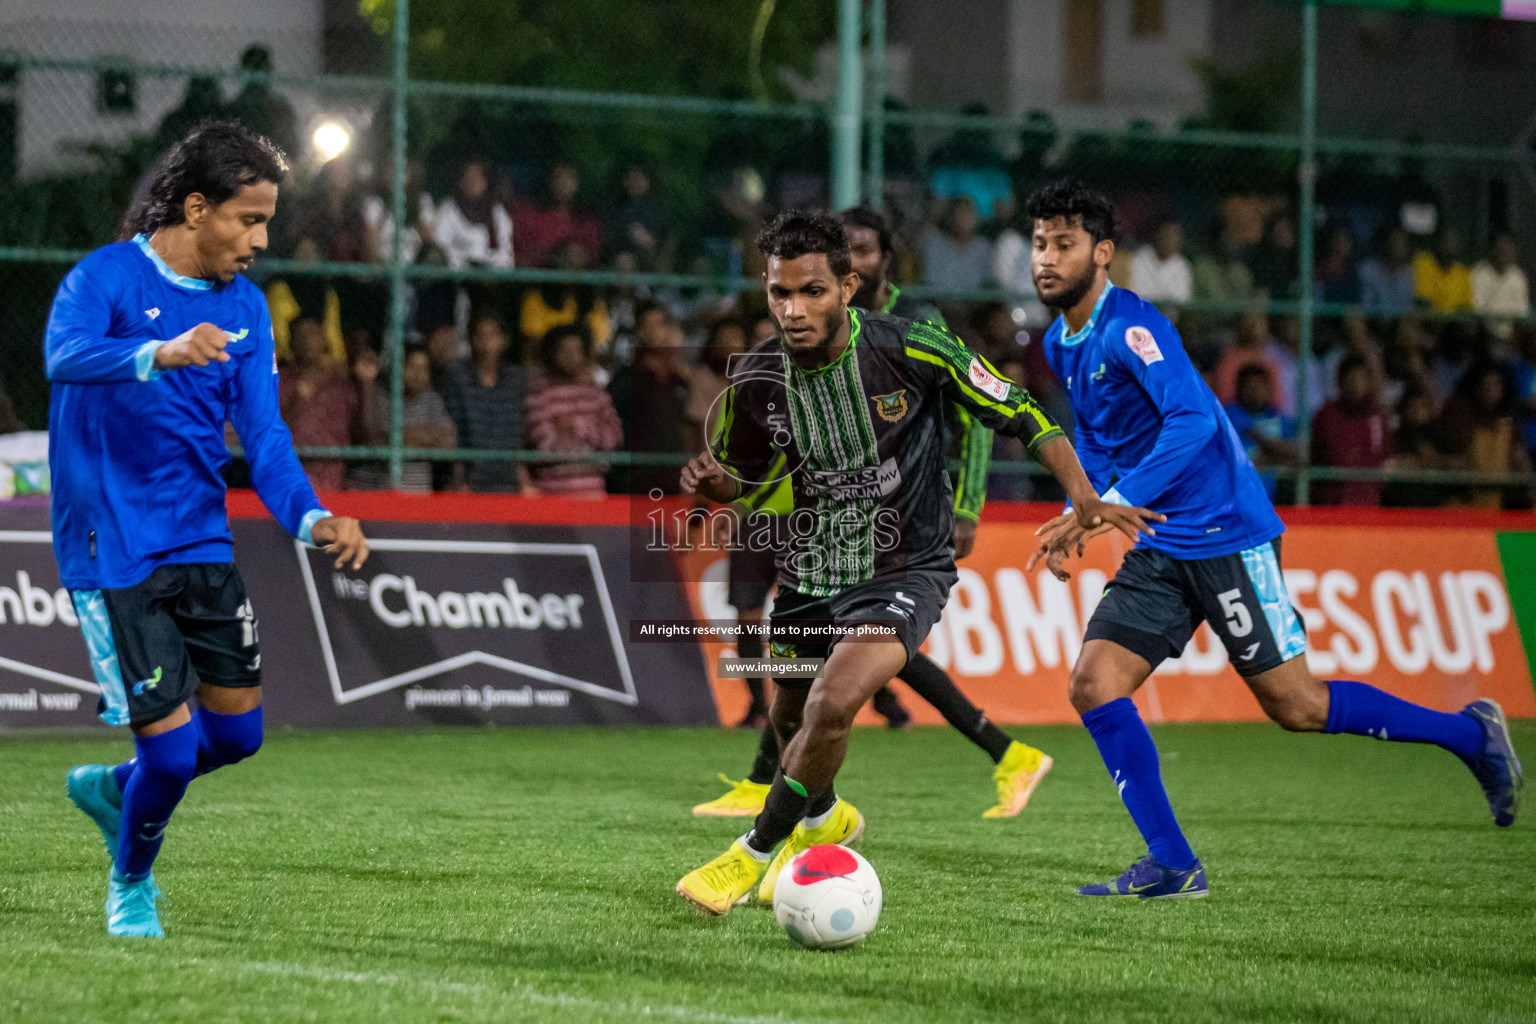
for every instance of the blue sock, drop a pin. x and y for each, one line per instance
(1131, 758)
(164, 767)
(225, 739)
(121, 774)
(1366, 711)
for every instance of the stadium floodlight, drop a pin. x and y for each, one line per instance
(331, 139)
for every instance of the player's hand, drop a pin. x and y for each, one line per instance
(200, 346)
(1133, 522)
(703, 475)
(1059, 537)
(965, 536)
(343, 537)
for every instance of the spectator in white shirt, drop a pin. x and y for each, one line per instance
(1500, 286)
(471, 226)
(1160, 272)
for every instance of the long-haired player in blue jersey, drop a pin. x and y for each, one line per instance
(1150, 432)
(152, 344)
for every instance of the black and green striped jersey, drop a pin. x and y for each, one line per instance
(861, 442)
(975, 439)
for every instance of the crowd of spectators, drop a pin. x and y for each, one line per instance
(1423, 353)
(1401, 374)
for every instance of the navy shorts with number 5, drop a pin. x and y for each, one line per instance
(1156, 602)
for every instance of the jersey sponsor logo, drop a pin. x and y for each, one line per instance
(851, 484)
(786, 651)
(891, 407)
(987, 381)
(1098, 375)
(1144, 345)
(233, 337)
(152, 313)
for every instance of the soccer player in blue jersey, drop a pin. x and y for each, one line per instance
(152, 344)
(1150, 433)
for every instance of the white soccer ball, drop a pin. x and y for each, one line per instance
(827, 897)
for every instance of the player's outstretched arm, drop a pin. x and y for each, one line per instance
(1090, 511)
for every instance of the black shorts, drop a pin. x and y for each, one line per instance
(751, 578)
(1155, 603)
(153, 643)
(910, 606)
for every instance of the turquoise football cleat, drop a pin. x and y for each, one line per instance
(131, 907)
(93, 789)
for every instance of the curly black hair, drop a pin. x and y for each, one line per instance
(1074, 199)
(216, 159)
(797, 233)
(864, 217)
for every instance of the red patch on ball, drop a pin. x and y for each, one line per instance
(820, 862)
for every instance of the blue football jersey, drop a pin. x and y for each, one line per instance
(1151, 433)
(137, 455)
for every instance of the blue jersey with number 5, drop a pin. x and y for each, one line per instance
(1151, 433)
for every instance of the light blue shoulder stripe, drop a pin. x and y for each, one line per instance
(195, 284)
(1076, 337)
(91, 610)
(1268, 583)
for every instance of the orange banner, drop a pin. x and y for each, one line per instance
(1420, 612)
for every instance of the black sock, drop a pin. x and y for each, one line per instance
(933, 684)
(767, 762)
(819, 805)
(782, 811)
(888, 705)
(750, 648)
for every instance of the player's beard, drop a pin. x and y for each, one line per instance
(867, 295)
(807, 357)
(1077, 290)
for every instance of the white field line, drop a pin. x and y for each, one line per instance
(516, 993)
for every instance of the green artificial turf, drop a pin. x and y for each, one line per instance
(504, 875)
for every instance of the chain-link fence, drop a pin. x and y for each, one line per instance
(437, 216)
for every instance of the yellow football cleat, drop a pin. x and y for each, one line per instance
(744, 800)
(842, 828)
(1017, 775)
(724, 882)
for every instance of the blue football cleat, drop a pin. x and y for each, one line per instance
(93, 789)
(131, 907)
(1496, 766)
(1149, 880)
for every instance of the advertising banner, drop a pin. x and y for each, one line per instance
(1424, 612)
(447, 623)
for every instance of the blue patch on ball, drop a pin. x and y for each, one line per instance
(842, 919)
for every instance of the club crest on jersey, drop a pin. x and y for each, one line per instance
(1144, 345)
(891, 407)
(987, 381)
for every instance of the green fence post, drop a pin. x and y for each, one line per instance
(846, 136)
(397, 265)
(1305, 217)
(874, 174)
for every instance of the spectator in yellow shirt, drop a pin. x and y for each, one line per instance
(1440, 279)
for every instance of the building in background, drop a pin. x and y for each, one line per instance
(57, 111)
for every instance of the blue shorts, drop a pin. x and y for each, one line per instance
(1156, 602)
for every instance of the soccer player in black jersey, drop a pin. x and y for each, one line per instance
(850, 406)
(1019, 766)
